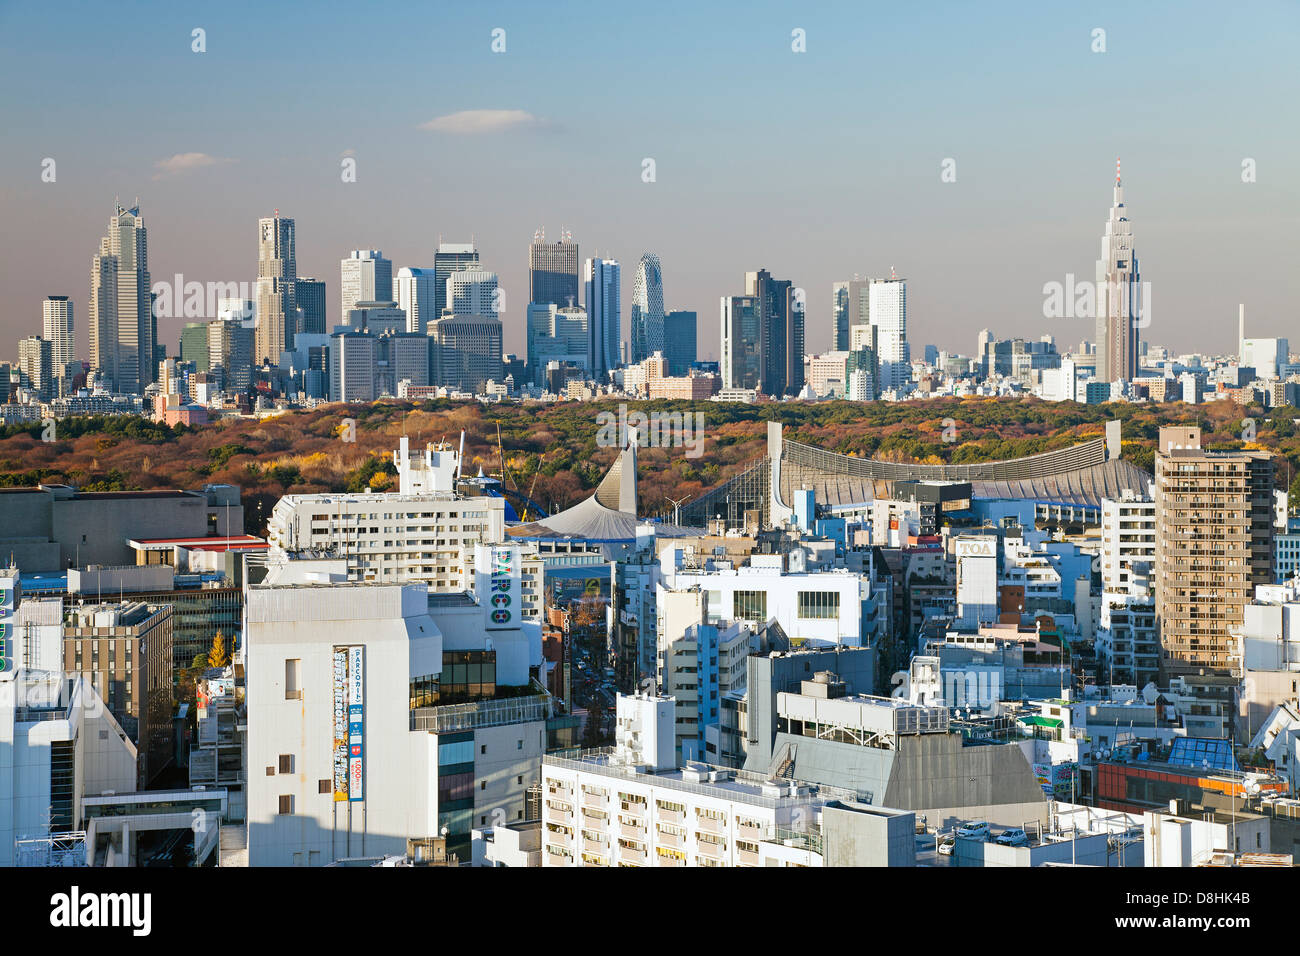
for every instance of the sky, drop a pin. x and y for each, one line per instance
(816, 165)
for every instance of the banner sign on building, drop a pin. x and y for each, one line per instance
(340, 676)
(8, 605)
(356, 735)
(497, 578)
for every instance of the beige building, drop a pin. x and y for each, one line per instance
(1214, 545)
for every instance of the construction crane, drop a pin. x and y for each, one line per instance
(531, 488)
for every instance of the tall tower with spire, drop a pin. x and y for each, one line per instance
(1119, 300)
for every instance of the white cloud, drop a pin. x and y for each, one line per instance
(470, 122)
(184, 162)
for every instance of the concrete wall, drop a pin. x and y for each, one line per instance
(858, 835)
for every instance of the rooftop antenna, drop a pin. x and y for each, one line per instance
(1117, 169)
(892, 273)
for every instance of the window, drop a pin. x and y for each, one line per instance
(286, 803)
(819, 605)
(324, 786)
(286, 763)
(293, 679)
(749, 605)
(270, 771)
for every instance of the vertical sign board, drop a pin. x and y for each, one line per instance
(8, 605)
(340, 678)
(497, 571)
(356, 744)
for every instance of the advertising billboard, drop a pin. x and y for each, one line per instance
(340, 679)
(497, 584)
(8, 645)
(356, 721)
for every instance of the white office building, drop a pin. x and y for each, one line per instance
(375, 718)
(832, 606)
(58, 741)
(416, 293)
(977, 580)
(472, 291)
(365, 276)
(888, 311)
(602, 290)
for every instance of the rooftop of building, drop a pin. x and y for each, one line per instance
(703, 779)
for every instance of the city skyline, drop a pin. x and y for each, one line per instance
(712, 211)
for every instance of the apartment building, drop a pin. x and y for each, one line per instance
(1128, 536)
(631, 806)
(1214, 545)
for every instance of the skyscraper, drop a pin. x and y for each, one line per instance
(888, 313)
(472, 291)
(277, 275)
(601, 278)
(553, 271)
(309, 296)
(1214, 544)
(646, 317)
(1119, 305)
(37, 365)
(839, 316)
(415, 292)
(121, 321)
(680, 341)
(741, 360)
(57, 329)
(781, 333)
(450, 257)
(366, 277)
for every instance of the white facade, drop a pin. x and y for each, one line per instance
(300, 810)
(888, 311)
(1128, 537)
(364, 276)
(599, 811)
(57, 329)
(472, 292)
(824, 605)
(977, 579)
(416, 293)
(1118, 295)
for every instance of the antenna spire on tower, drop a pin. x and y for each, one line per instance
(1117, 169)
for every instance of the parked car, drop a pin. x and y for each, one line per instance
(947, 845)
(974, 831)
(1016, 837)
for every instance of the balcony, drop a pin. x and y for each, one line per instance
(594, 846)
(670, 840)
(710, 825)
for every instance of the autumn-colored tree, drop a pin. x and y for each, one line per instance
(217, 657)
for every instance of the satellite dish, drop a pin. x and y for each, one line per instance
(1150, 693)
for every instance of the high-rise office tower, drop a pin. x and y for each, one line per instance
(1214, 544)
(309, 296)
(601, 279)
(415, 292)
(366, 277)
(839, 316)
(472, 292)
(553, 271)
(194, 346)
(277, 276)
(781, 333)
(741, 353)
(680, 341)
(888, 313)
(646, 317)
(121, 321)
(35, 360)
(1119, 295)
(57, 329)
(450, 257)
(231, 343)
(468, 351)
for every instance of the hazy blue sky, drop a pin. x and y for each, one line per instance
(814, 165)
